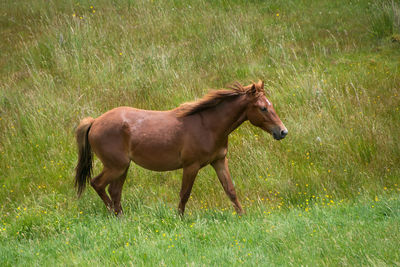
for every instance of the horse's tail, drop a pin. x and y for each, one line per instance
(85, 155)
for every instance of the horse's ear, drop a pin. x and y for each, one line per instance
(261, 83)
(253, 89)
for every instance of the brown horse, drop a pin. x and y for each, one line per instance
(190, 137)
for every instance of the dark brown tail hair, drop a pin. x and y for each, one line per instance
(85, 155)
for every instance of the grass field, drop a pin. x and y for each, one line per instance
(328, 194)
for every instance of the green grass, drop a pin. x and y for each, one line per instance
(331, 68)
(358, 233)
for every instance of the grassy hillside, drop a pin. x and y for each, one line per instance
(331, 69)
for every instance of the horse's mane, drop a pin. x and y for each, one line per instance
(215, 97)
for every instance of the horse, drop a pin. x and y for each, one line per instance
(190, 136)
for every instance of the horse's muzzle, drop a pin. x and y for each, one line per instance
(280, 134)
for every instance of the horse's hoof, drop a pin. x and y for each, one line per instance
(241, 212)
(118, 214)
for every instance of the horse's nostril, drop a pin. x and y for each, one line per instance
(284, 133)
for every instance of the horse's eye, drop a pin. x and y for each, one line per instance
(263, 109)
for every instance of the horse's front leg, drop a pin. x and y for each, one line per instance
(189, 174)
(221, 168)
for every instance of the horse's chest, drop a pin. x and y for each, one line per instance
(211, 157)
(203, 151)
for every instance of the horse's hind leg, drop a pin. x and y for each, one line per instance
(115, 191)
(99, 185)
(100, 182)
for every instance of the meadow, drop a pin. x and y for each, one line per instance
(328, 194)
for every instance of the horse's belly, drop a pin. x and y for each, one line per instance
(157, 157)
(157, 163)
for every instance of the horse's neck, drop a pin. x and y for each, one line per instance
(228, 116)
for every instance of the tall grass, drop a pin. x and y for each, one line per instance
(334, 84)
(385, 18)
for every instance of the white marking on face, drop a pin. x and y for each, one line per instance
(269, 103)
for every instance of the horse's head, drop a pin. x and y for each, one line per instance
(261, 113)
